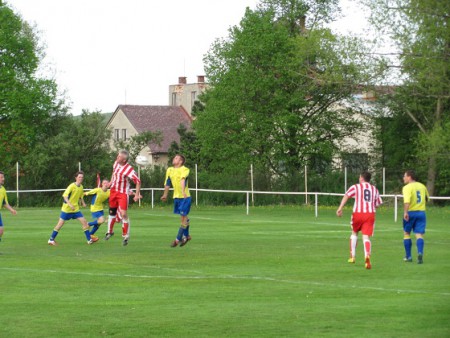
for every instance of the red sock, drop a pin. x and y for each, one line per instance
(367, 247)
(125, 226)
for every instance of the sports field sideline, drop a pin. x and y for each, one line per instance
(278, 272)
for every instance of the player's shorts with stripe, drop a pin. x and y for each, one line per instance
(182, 206)
(97, 214)
(364, 222)
(417, 222)
(70, 215)
(118, 199)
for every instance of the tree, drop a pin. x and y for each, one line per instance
(419, 30)
(82, 139)
(275, 91)
(28, 102)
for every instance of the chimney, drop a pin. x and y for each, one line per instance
(182, 80)
(200, 78)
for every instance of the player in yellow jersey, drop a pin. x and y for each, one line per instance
(99, 196)
(73, 196)
(4, 202)
(415, 196)
(177, 177)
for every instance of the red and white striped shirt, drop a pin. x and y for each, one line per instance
(120, 176)
(367, 198)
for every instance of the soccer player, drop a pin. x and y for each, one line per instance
(118, 199)
(73, 196)
(415, 196)
(4, 202)
(99, 197)
(367, 199)
(177, 177)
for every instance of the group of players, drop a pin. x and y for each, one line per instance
(367, 199)
(117, 191)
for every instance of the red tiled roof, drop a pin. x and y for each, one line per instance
(166, 119)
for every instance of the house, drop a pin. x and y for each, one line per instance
(130, 120)
(185, 94)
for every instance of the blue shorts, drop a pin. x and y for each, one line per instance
(182, 206)
(1, 222)
(417, 222)
(98, 214)
(70, 215)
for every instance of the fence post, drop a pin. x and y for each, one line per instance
(384, 181)
(251, 179)
(345, 179)
(306, 185)
(17, 183)
(153, 197)
(395, 208)
(139, 175)
(196, 185)
(248, 208)
(316, 202)
(79, 166)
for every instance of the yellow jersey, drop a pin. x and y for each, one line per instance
(3, 197)
(73, 193)
(98, 199)
(173, 179)
(416, 194)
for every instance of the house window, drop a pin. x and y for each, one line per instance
(116, 134)
(174, 99)
(124, 134)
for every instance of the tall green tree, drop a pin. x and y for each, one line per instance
(28, 101)
(276, 86)
(419, 33)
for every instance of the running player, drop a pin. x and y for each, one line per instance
(73, 196)
(118, 199)
(177, 177)
(415, 196)
(99, 196)
(367, 199)
(4, 202)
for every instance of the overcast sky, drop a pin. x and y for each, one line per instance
(109, 52)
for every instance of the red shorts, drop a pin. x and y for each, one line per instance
(118, 200)
(363, 222)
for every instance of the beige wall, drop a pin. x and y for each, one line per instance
(185, 94)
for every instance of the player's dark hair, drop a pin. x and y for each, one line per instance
(78, 173)
(183, 159)
(412, 174)
(2, 173)
(367, 176)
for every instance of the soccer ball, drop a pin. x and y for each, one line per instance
(142, 161)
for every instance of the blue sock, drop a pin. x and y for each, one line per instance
(93, 223)
(408, 244)
(186, 231)
(180, 233)
(53, 235)
(420, 244)
(87, 234)
(94, 228)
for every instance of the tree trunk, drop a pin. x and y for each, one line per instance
(431, 179)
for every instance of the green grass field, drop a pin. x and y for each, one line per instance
(278, 272)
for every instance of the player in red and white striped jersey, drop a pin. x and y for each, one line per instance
(367, 199)
(122, 174)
